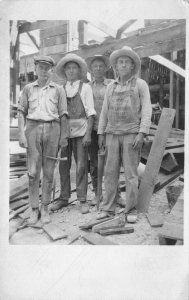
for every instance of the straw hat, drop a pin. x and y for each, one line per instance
(71, 57)
(126, 51)
(104, 58)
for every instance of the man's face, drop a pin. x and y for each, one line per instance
(98, 68)
(43, 70)
(72, 71)
(124, 65)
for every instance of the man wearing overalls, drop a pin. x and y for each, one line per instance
(97, 65)
(124, 121)
(81, 114)
(43, 110)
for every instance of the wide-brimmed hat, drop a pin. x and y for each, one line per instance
(126, 51)
(71, 57)
(44, 59)
(104, 58)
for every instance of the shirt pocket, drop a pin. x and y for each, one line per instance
(53, 104)
(33, 103)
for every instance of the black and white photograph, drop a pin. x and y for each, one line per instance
(96, 151)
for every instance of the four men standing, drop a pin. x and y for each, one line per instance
(123, 123)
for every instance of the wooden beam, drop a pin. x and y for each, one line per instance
(171, 86)
(169, 64)
(82, 30)
(154, 159)
(104, 28)
(33, 40)
(41, 24)
(124, 27)
(177, 100)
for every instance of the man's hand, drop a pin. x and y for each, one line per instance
(101, 142)
(22, 141)
(138, 141)
(63, 143)
(86, 140)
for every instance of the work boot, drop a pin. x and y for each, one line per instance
(33, 217)
(84, 208)
(95, 200)
(60, 203)
(45, 217)
(103, 215)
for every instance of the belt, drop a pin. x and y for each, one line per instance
(42, 121)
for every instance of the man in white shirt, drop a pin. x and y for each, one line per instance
(81, 114)
(43, 111)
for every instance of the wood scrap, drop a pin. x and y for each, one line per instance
(92, 223)
(171, 231)
(117, 221)
(117, 230)
(17, 212)
(155, 158)
(18, 187)
(54, 232)
(74, 238)
(169, 162)
(167, 178)
(18, 204)
(155, 219)
(96, 239)
(26, 214)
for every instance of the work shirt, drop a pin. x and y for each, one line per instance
(46, 104)
(99, 90)
(81, 106)
(126, 108)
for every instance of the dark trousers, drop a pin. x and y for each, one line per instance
(93, 154)
(81, 158)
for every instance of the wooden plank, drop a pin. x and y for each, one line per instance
(82, 30)
(54, 49)
(18, 187)
(154, 159)
(155, 220)
(54, 40)
(174, 150)
(117, 221)
(124, 27)
(18, 204)
(74, 238)
(26, 214)
(177, 100)
(117, 230)
(174, 145)
(18, 211)
(96, 239)
(41, 24)
(172, 231)
(54, 231)
(104, 28)
(169, 162)
(167, 178)
(92, 223)
(168, 64)
(54, 30)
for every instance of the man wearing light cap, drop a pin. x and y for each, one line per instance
(124, 121)
(97, 65)
(81, 114)
(43, 111)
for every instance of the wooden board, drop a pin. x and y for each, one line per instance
(117, 230)
(172, 231)
(169, 162)
(117, 221)
(155, 158)
(74, 238)
(55, 40)
(26, 214)
(18, 204)
(92, 223)
(96, 239)
(155, 220)
(18, 186)
(54, 30)
(167, 178)
(54, 231)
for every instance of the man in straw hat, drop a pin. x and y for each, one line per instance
(43, 110)
(81, 114)
(124, 121)
(97, 65)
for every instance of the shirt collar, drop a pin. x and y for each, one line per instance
(118, 81)
(73, 84)
(49, 83)
(105, 82)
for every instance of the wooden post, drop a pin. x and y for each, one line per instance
(154, 159)
(82, 30)
(177, 100)
(171, 86)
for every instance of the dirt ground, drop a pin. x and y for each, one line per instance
(69, 219)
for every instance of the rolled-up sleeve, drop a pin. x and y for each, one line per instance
(23, 101)
(103, 120)
(62, 103)
(146, 107)
(87, 99)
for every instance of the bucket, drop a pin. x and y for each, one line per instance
(173, 192)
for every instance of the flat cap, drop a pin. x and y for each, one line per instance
(45, 59)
